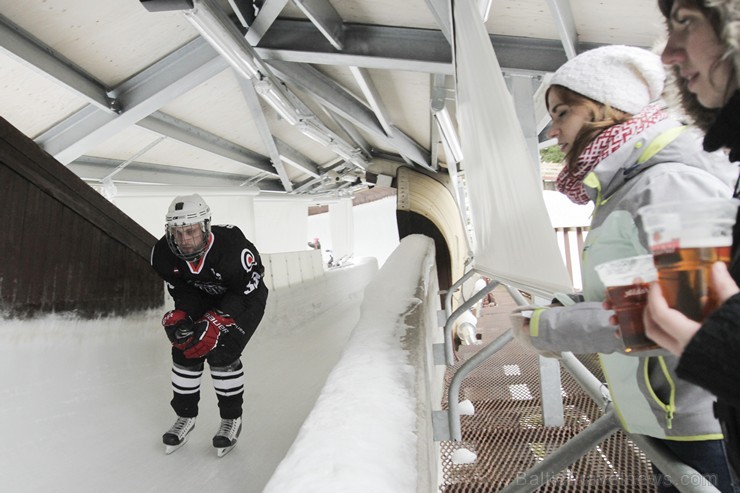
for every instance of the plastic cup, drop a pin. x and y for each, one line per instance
(686, 238)
(628, 298)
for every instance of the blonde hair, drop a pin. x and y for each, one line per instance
(603, 116)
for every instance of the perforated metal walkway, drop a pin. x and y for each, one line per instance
(507, 433)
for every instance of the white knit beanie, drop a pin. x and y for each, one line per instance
(624, 77)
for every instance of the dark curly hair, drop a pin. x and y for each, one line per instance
(702, 117)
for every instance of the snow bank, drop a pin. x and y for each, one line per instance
(368, 431)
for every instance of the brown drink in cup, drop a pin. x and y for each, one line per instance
(686, 238)
(628, 298)
(629, 303)
(684, 276)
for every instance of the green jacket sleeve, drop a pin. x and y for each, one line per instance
(579, 328)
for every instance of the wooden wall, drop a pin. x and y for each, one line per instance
(63, 246)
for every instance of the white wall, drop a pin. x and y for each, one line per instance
(564, 213)
(281, 224)
(342, 228)
(277, 223)
(376, 229)
(374, 226)
(148, 205)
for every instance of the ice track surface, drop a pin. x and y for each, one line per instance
(84, 404)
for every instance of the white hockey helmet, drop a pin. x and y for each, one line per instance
(186, 210)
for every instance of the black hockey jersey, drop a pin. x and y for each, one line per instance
(228, 276)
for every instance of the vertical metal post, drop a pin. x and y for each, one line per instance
(449, 357)
(550, 390)
(549, 370)
(453, 392)
(451, 292)
(588, 382)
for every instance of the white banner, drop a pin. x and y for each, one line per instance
(515, 242)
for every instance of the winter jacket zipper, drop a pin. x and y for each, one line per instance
(670, 408)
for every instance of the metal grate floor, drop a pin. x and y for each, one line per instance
(507, 434)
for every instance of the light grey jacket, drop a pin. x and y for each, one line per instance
(664, 163)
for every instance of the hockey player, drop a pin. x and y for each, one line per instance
(214, 274)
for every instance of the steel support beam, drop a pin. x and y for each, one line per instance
(244, 11)
(258, 117)
(440, 9)
(95, 169)
(522, 90)
(178, 130)
(362, 77)
(296, 159)
(326, 19)
(402, 48)
(541, 116)
(354, 135)
(336, 98)
(437, 98)
(265, 18)
(29, 51)
(139, 96)
(563, 16)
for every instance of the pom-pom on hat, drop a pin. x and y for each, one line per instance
(624, 77)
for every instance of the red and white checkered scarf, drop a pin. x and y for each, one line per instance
(570, 182)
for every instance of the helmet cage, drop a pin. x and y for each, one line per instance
(205, 227)
(186, 211)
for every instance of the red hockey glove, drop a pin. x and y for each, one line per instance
(178, 326)
(206, 332)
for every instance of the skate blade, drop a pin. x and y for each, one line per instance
(221, 451)
(168, 449)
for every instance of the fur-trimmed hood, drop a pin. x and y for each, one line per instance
(728, 13)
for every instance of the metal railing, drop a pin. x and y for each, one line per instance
(581, 443)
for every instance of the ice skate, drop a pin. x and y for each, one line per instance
(225, 438)
(178, 434)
